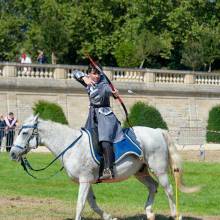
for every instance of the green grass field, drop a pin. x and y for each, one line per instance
(124, 199)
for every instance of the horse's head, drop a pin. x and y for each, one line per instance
(27, 139)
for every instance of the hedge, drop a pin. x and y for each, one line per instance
(213, 125)
(142, 114)
(50, 111)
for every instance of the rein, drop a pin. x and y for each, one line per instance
(27, 166)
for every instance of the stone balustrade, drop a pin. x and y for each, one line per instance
(207, 79)
(157, 76)
(161, 77)
(128, 75)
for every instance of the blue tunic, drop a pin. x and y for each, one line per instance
(101, 118)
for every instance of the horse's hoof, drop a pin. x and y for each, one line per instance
(180, 217)
(150, 216)
(175, 217)
(108, 217)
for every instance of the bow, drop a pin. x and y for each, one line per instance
(111, 85)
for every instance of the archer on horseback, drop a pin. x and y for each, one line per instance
(101, 119)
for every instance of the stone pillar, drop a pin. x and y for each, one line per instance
(9, 71)
(149, 77)
(60, 73)
(189, 79)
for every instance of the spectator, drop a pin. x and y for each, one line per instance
(41, 59)
(11, 122)
(26, 59)
(2, 129)
(23, 57)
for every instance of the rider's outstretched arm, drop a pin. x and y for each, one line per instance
(78, 75)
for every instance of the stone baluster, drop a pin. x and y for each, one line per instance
(178, 78)
(50, 74)
(127, 76)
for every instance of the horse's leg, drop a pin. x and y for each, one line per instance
(82, 195)
(92, 202)
(164, 181)
(145, 178)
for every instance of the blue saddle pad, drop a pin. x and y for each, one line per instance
(127, 146)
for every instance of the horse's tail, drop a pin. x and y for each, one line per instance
(176, 165)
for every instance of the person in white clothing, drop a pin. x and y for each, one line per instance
(11, 123)
(25, 59)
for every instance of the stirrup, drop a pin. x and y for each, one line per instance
(107, 174)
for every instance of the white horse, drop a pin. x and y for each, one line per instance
(158, 153)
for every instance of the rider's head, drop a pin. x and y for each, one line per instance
(93, 73)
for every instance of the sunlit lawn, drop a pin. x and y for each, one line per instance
(128, 196)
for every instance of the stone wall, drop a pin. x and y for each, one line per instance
(182, 102)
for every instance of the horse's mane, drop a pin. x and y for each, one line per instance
(52, 123)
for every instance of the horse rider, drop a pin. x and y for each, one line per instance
(101, 118)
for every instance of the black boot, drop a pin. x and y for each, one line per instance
(108, 155)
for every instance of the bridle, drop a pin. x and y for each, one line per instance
(34, 134)
(25, 163)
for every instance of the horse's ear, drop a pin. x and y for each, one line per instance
(36, 117)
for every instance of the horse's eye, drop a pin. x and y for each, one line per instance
(25, 133)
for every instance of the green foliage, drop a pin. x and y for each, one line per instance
(211, 44)
(93, 25)
(150, 45)
(127, 33)
(53, 28)
(50, 111)
(10, 37)
(142, 114)
(125, 55)
(192, 55)
(213, 125)
(202, 48)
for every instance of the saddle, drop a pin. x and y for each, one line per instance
(128, 146)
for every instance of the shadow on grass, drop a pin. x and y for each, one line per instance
(159, 217)
(143, 217)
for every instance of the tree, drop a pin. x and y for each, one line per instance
(211, 45)
(54, 29)
(142, 48)
(202, 47)
(10, 37)
(125, 54)
(187, 20)
(94, 27)
(149, 45)
(143, 33)
(192, 55)
(152, 33)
